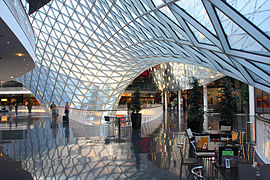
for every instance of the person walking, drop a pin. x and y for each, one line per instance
(67, 111)
(51, 107)
(54, 124)
(55, 113)
(16, 108)
(10, 107)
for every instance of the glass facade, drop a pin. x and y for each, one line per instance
(88, 51)
(262, 101)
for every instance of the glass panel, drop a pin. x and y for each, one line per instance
(257, 12)
(196, 9)
(237, 37)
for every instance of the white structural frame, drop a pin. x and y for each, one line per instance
(88, 52)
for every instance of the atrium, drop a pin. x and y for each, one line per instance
(90, 57)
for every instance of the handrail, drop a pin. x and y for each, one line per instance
(262, 118)
(143, 106)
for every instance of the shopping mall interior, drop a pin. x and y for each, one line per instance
(135, 89)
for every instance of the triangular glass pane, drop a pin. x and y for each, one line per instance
(199, 36)
(257, 12)
(237, 37)
(169, 14)
(196, 9)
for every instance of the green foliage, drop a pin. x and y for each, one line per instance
(244, 94)
(228, 102)
(136, 102)
(195, 110)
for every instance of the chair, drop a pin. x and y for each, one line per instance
(107, 118)
(202, 154)
(189, 134)
(189, 162)
(197, 173)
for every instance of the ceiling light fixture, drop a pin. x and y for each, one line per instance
(19, 54)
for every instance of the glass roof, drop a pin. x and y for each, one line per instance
(89, 51)
(177, 76)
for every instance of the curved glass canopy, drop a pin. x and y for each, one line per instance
(88, 51)
(177, 76)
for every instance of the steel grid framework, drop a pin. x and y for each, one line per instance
(88, 51)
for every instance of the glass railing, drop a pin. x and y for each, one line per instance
(14, 90)
(96, 117)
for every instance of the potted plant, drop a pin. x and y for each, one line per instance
(135, 107)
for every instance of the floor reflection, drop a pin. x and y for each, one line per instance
(74, 151)
(57, 150)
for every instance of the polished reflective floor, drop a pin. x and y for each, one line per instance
(32, 147)
(36, 149)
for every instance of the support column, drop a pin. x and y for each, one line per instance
(251, 100)
(205, 108)
(251, 103)
(162, 97)
(251, 133)
(166, 100)
(179, 109)
(179, 103)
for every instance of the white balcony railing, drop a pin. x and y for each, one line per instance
(18, 11)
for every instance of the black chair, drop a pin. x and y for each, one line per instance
(188, 162)
(107, 118)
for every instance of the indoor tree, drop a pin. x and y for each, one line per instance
(228, 100)
(245, 99)
(195, 109)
